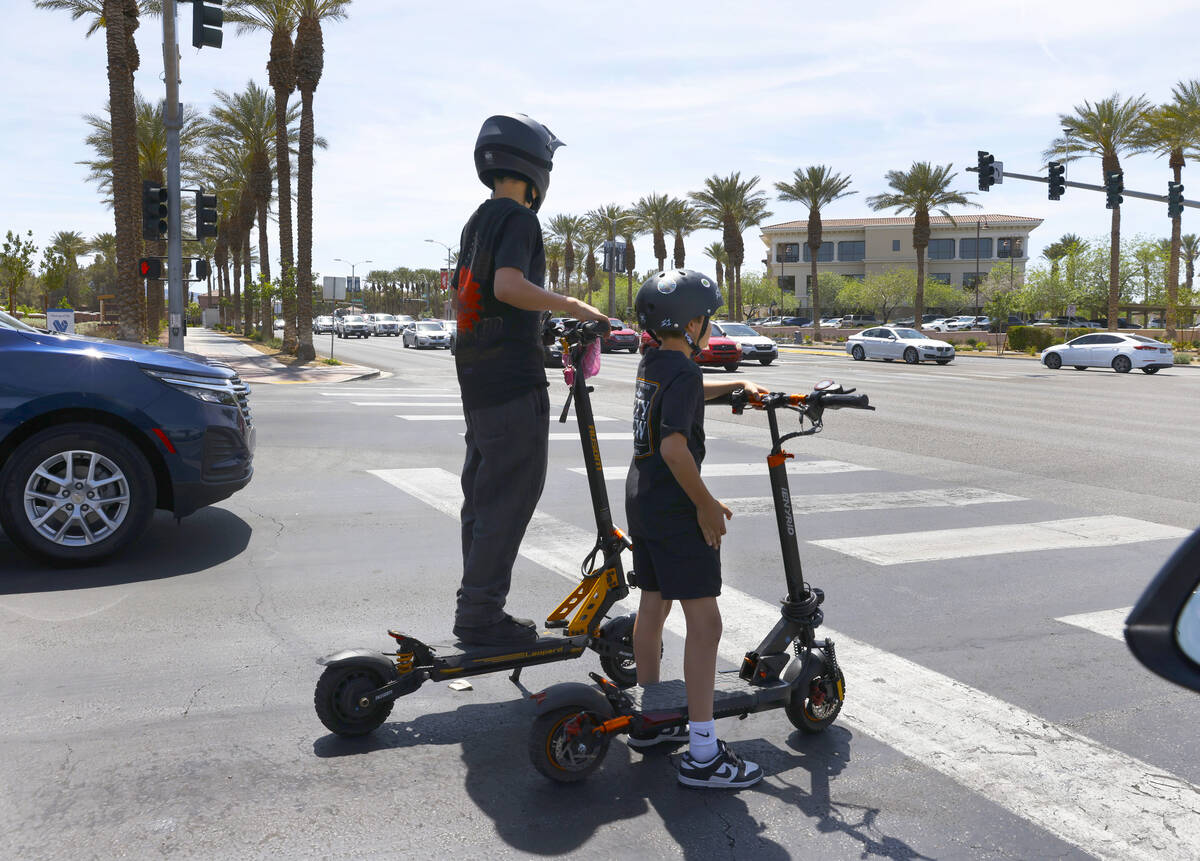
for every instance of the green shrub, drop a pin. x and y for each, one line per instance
(971, 342)
(1183, 358)
(1074, 333)
(980, 346)
(330, 361)
(1025, 338)
(1033, 351)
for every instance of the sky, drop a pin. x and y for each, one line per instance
(649, 97)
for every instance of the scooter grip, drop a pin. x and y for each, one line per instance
(837, 402)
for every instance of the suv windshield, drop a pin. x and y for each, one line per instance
(740, 329)
(387, 318)
(354, 319)
(7, 322)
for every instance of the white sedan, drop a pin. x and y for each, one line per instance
(426, 333)
(897, 342)
(1114, 350)
(752, 344)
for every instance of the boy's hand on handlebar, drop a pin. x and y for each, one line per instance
(752, 389)
(586, 312)
(712, 517)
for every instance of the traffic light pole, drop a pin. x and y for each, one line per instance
(1160, 198)
(173, 121)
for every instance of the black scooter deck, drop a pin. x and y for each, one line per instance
(732, 695)
(468, 659)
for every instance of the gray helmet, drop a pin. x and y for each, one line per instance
(515, 144)
(668, 301)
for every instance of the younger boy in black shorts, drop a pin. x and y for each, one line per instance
(675, 523)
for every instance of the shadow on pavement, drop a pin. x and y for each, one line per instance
(532, 814)
(166, 549)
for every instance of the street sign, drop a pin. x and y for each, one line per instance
(1070, 310)
(333, 287)
(61, 321)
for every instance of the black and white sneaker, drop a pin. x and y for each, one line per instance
(726, 770)
(674, 734)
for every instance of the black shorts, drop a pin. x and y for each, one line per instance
(681, 566)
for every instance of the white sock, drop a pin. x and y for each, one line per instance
(702, 740)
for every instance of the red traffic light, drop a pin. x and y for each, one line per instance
(150, 267)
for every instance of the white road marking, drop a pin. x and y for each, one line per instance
(614, 436)
(1110, 623)
(402, 404)
(422, 393)
(825, 502)
(902, 547)
(457, 417)
(726, 470)
(1107, 803)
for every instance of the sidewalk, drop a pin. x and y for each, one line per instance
(255, 367)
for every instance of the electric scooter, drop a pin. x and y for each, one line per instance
(576, 722)
(358, 687)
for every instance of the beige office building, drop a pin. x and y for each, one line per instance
(857, 247)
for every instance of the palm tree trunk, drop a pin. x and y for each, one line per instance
(304, 179)
(1169, 320)
(264, 272)
(919, 299)
(126, 209)
(247, 312)
(229, 315)
(816, 299)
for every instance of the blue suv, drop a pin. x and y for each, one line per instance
(95, 435)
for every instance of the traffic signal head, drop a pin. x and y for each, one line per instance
(202, 270)
(1114, 184)
(206, 215)
(1058, 185)
(206, 23)
(154, 210)
(150, 267)
(987, 173)
(1174, 199)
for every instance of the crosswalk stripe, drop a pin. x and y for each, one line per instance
(394, 393)
(1110, 623)
(727, 470)
(903, 547)
(613, 436)
(459, 417)
(402, 404)
(1064, 782)
(826, 502)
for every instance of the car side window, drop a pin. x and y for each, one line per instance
(1108, 339)
(1084, 340)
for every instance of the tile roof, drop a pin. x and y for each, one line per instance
(899, 221)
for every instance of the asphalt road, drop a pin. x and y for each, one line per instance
(162, 704)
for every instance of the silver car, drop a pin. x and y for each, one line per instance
(897, 342)
(752, 344)
(353, 326)
(384, 324)
(426, 333)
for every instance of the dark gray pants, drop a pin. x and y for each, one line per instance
(502, 480)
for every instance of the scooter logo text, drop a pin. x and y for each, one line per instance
(787, 513)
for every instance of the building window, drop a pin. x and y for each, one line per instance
(855, 249)
(966, 249)
(940, 277)
(825, 255)
(787, 284)
(970, 279)
(895, 244)
(1009, 246)
(787, 252)
(940, 249)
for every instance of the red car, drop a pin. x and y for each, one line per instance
(619, 337)
(720, 351)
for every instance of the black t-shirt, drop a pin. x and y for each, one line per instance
(498, 348)
(668, 398)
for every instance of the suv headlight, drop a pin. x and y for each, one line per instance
(214, 390)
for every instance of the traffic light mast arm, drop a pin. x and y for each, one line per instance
(1161, 198)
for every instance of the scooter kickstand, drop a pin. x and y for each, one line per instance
(515, 678)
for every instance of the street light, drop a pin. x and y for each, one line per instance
(352, 265)
(449, 251)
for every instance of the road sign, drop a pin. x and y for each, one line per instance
(61, 321)
(333, 287)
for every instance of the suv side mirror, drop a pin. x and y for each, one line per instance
(1163, 630)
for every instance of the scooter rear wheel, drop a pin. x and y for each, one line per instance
(620, 668)
(815, 705)
(337, 697)
(563, 746)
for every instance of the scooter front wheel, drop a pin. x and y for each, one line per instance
(564, 746)
(815, 703)
(338, 700)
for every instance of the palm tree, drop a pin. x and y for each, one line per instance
(104, 247)
(278, 17)
(629, 233)
(683, 221)
(653, 214)
(716, 252)
(1189, 249)
(1173, 130)
(609, 220)
(732, 206)
(70, 244)
(566, 229)
(308, 58)
(554, 253)
(591, 238)
(151, 151)
(119, 20)
(1109, 129)
(922, 188)
(815, 187)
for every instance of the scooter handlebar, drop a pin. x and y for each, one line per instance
(590, 330)
(840, 401)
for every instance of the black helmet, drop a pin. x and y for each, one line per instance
(668, 301)
(515, 144)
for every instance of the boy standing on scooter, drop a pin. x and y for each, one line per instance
(498, 355)
(674, 522)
